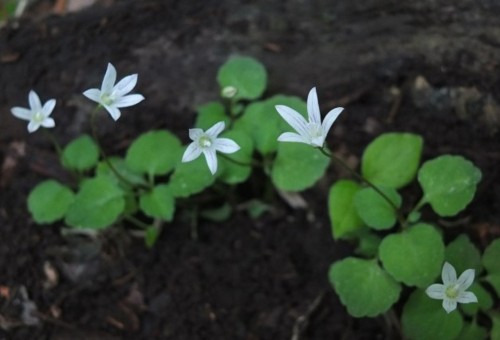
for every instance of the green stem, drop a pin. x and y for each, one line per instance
(360, 178)
(136, 222)
(54, 142)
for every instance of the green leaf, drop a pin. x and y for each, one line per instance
(343, 216)
(472, 331)
(449, 183)
(462, 254)
(246, 74)
(368, 244)
(424, 318)
(151, 236)
(210, 114)
(123, 170)
(491, 256)
(263, 124)
(257, 208)
(484, 298)
(231, 172)
(158, 203)
(191, 178)
(495, 330)
(154, 153)
(374, 209)
(219, 214)
(298, 166)
(81, 154)
(363, 287)
(392, 159)
(49, 201)
(97, 205)
(414, 256)
(494, 281)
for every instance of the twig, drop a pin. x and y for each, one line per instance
(303, 321)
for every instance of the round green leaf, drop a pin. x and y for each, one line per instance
(424, 318)
(154, 153)
(97, 205)
(209, 114)
(392, 159)
(494, 281)
(49, 201)
(123, 170)
(414, 256)
(463, 254)
(191, 178)
(262, 122)
(81, 154)
(343, 216)
(449, 183)
(363, 287)
(158, 203)
(374, 209)
(246, 74)
(368, 244)
(495, 330)
(472, 331)
(298, 166)
(491, 256)
(237, 172)
(484, 299)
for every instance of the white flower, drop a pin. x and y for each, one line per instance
(37, 114)
(311, 132)
(452, 290)
(112, 96)
(208, 143)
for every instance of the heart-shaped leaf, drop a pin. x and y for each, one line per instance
(49, 201)
(375, 210)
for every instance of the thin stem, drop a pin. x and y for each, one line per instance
(136, 222)
(360, 178)
(54, 142)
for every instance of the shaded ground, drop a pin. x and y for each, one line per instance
(242, 279)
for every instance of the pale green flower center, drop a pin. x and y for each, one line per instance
(452, 291)
(205, 142)
(314, 130)
(107, 99)
(38, 117)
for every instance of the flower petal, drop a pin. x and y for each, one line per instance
(313, 107)
(294, 119)
(292, 137)
(467, 297)
(214, 131)
(330, 119)
(113, 111)
(93, 94)
(21, 113)
(35, 103)
(436, 291)
(129, 100)
(33, 126)
(192, 152)
(448, 275)
(48, 123)
(48, 107)
(194, 134)
(211, 158)
(449, 305)
(109, 79)
(225, 145)
(466, 279)
(125, 85)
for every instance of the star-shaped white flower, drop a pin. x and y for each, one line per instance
(311, 132)
(38, 114)
(208, 143)
(452, 290)
(113, 97)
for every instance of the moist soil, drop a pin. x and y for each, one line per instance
(242, 278)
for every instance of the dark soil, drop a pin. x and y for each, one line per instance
(243, 278)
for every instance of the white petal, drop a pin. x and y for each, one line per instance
(313, 107)
(449, 305)
(125, 85)
(466, 279)
(48, 123)
(292, 137)
(211, 158)
(214, 131)
(436, 291)
(48, 107)
(33, 126)
(225, 145)
(330, 119)
(192, 152)
(318, 141)
(194, 134)
(294, 119)
(448, 275)
(34, 100)
(467, 297)
(21, 113)
(109, 79)
(113, 111)
(129, 100)
(93, 94)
